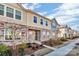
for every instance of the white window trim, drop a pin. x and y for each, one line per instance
(15, 14)
(5, 7)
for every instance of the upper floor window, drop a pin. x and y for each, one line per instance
(46, 22)
(1, 9)
(18, 15)
(9, 12)
(53, 25)
(35, 19)
(41, 21)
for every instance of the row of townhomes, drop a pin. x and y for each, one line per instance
(65, 31)
(21, 25)
(18, 25)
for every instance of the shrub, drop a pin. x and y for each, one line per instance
(76, 36)
(28, 45)
(55, 42)
(5, 50)
(68, 37)
(22, 48)
(21, 51)
(63, 39)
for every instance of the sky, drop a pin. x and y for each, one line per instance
(65, 13)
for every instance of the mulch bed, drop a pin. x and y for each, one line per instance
(28, 51)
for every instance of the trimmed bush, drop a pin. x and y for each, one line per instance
(5, 50)
(55, 42)
(21, 51)
(63, 39)
(21, 48)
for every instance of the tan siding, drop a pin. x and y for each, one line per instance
(31, 23)
(15, 5)
(13, 20)
(27, 17)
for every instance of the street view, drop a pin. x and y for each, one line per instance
(39, 29)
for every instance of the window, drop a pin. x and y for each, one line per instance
(41, 21)
(9, 12)
(53, 25)
(18, 15)
(1, 34)
(35, 19)
(1, 9)
(18, 34)
(8, 34)
(46, 23)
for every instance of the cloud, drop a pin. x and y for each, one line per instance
(75, 27)
(42, 13)
(67, 14)
(25, 5)
(34, 6)
(66, 9)
(31, 6)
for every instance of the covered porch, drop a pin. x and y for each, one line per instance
(11, 33)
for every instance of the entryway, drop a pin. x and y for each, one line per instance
(33, 35)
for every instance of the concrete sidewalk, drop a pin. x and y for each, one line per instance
(42, 52)
(63, 50)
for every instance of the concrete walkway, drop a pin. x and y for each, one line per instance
(49, 47)
(52, 48)
(42, 52)
(63, 50)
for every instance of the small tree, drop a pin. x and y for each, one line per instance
(5, 50)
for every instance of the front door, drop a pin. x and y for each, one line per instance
(37, 35)
(34, 35)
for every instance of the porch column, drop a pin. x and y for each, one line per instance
(41, 35)
(28, 41)
(4, 30)
(24, 34)
(14, 44)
